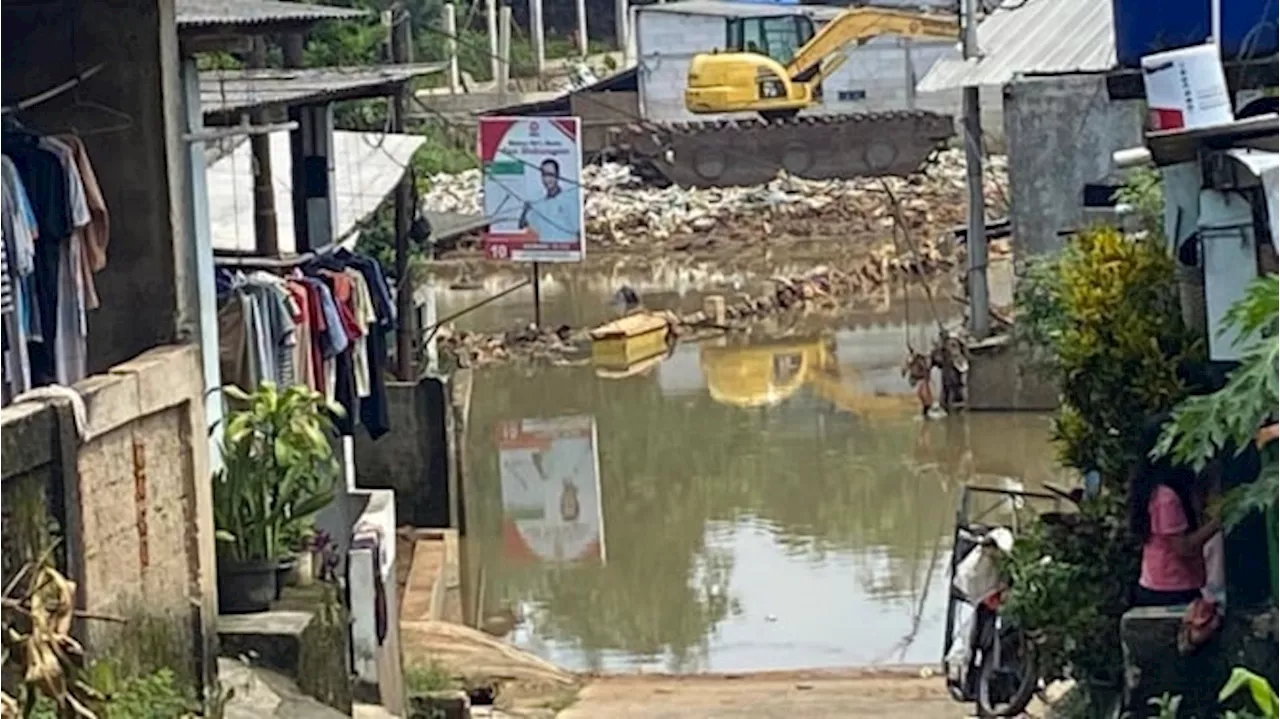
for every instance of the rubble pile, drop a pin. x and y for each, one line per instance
(820, 289)
(623, 215)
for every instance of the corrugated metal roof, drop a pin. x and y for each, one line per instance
(366, 167)
(1040, 37)
(728, 8)
(238, 90)
(212, 13)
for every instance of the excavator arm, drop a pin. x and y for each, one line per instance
(820, 57)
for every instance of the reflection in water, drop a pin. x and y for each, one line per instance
(772, 506)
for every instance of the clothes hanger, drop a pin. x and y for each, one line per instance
(122, 120)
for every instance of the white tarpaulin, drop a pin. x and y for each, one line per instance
(366, 167)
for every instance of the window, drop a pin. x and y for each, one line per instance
(778, 37)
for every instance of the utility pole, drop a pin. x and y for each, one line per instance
(266, 240)
(402, 54)
(976, 235)
(622, 27)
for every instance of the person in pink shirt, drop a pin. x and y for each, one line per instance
(1165, 503)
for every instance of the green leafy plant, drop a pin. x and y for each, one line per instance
(1263, 696)
(1166, 706)
(1069, 576)
(1201, 427)
(278, 470)
(1144, 192)
(1102, 319)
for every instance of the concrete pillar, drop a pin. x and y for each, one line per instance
(538, 30)
(504, 49)
(584, 45)
(451, 46)
(491, 18)
(622, 25)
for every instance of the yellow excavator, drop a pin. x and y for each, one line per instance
(764, 375)
(775, 66)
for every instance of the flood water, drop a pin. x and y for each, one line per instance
(772, 504)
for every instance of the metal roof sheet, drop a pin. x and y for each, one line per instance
(238, 90)
(366, 167)
(729, 8)
(212, 13)
(1040, 37)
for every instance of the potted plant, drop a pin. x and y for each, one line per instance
(278, 472)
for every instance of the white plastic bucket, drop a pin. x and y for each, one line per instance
(1186, 88)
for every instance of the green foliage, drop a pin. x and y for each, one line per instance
(152, 696)
(1201, 427)
(429, 677)
(1263, 696)
(1145, 193)
(278, 469)
(1069, 580)
(1104, 319)
(1166, 706)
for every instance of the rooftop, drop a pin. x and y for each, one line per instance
(232, 91)
(1039, 37)
(232, 13)
(731, 8)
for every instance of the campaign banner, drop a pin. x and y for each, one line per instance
(532, 188)
(550, 475)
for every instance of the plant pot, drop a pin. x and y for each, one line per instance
(284, 571)
(245, 587)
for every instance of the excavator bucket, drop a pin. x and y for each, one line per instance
(752, 151)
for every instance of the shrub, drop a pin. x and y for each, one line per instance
(1102, 318)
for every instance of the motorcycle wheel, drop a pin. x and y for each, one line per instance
(1007, 684)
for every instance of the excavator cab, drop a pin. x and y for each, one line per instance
(777, 37)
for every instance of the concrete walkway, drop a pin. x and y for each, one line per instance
(767, 696)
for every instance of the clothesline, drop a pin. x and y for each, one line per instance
(260, 262)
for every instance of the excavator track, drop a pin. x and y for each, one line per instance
(746, 152)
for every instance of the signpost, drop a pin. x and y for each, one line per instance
(550, 474)
(532, 191)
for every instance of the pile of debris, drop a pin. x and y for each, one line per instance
(621, 213)
(820, 289)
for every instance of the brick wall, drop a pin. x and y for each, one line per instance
(135, 512)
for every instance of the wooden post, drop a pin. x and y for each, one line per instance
(504, 49)
(266, 239)
(491, 17)
(402, 53)
(451, 46)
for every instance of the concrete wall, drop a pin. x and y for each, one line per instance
(878, 75)
(148, 295)
(412, 458)
(137, 513)
(1061, 132)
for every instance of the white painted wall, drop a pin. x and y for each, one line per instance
(874, 78)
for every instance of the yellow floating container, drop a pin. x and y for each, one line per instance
(631, 339)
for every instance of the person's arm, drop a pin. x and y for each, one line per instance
(1192, 544)
(523, 222)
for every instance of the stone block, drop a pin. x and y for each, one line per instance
(272, 639)
(440, 705)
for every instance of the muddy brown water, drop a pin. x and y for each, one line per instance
(774, 503)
